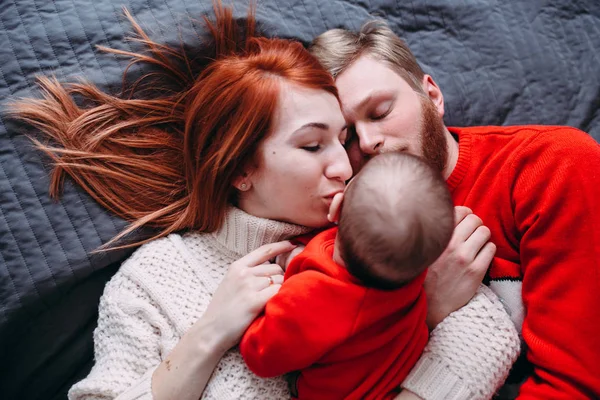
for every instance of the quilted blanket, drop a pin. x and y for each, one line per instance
(514, 62)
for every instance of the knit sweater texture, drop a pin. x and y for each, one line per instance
(167, 284)
(537, 189)
(349, 341)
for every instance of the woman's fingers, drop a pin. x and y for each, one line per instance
(264, 276)
(271, 280)
(266, 252)
(263, 282)
(267, 270)
(265, 295)
(247, 286)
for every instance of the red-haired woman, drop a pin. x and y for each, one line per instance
(243, 156)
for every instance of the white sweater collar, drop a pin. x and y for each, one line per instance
(243, 233)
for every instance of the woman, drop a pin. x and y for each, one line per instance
(247, 154)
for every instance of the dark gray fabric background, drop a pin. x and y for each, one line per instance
(497, 62)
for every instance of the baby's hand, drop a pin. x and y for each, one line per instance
(335, 208)
(283, 260)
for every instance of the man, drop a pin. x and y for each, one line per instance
(535, 187)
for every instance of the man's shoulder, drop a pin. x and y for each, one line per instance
(565, 141)
(538, 133)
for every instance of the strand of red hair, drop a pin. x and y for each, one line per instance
(168, 162)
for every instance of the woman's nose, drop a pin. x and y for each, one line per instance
(339, 167)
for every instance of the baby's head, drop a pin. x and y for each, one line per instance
(396, 219)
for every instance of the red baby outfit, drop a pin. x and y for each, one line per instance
(343, 339)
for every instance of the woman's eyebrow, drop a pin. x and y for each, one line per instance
(318, 125)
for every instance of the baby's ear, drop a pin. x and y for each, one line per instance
(335, 208)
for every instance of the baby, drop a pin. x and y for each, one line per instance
(349, 319)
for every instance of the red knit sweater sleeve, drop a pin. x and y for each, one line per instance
(311, 314)
(556, 192)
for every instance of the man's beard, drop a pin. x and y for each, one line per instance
(434, 148)
(433, 136)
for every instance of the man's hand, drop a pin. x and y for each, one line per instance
(454, 277)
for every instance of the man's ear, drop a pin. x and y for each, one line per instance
(335, 208)
(434, 93)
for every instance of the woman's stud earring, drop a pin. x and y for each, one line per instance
(243, 186)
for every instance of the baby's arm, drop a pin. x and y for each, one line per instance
(301, 323)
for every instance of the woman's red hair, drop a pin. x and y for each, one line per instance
(169, 162)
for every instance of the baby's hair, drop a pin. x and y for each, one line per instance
(396, 220)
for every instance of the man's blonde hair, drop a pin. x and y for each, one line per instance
(337, 49)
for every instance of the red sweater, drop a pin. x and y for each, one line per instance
(345, 340)
(538, 190)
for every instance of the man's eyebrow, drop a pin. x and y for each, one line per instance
(363, 102)
(367, 99)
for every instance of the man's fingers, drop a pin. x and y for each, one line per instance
(266, 252)
(484, 259)
(465, 228)
(477, 240)
(460, 212)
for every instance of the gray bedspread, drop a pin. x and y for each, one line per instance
(497, 62)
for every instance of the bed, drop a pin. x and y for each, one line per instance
(498, 63)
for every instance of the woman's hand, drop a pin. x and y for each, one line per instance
(454, 277)
(249, 283)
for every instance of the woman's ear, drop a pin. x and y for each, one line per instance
(241, 182)
(434, 93)
(335, 208)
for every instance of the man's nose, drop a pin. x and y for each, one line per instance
(370, 141)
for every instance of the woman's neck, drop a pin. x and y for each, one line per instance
(243, 233)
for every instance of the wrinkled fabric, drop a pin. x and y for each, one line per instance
(497, 63)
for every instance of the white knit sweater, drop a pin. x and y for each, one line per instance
(166, 285)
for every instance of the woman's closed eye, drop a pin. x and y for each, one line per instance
(313, 148)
